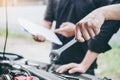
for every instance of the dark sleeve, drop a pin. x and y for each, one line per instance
(49, 14)
(115, 1)
(100, 44)
(100, 3)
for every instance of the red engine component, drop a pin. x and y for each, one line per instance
(24, 78)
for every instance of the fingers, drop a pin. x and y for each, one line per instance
(76, 69)
(72, 68)
(66, 67)
(82, 33)
(97, 28)
(86, 30)
(67, 29)
(61, 31)
(78, 34)
(39, 38)
(90, 28)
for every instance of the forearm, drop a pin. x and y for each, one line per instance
(89, 59)
(111, 12)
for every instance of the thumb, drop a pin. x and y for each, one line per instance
(61, 31)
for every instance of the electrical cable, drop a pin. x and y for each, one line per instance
(6, 37)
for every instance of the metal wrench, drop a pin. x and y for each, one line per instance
(55, 54)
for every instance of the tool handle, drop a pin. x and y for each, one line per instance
(66, 46)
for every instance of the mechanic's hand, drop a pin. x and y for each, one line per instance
(72, 68)
(66, 29)
(39, 38)
(89, 26)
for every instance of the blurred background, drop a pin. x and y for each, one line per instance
(20, 42)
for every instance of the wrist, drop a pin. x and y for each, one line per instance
(85, 65)
(89, 59)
